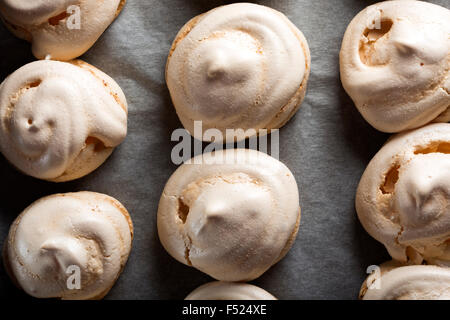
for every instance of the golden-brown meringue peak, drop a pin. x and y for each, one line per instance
(219, 290)
(239, 66)
(84, 230)
(397, 282)
(403, 198)
(61, 29)
(233, 216)
(395, 62)
(59, 121)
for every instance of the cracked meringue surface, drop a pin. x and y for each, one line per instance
(398, 282)
(239, 66)
(231, 214)
(403, 198)
(220, 290)
(51, 26)
(59, 121)
(395, 62)
(91, 231)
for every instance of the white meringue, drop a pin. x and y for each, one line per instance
(395, 62)
(59, 121)
(219, 290)
(403, 198)
(233, 216)
(396, 282)
(88, 230)
(239, 66)
(46, 24)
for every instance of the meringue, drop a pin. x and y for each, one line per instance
(231, 214)
(239, 66)
(219, 290)
(88, 230)
(49, 27)
(403, 198)
(395, 62)
(396, 282)
(59, 121)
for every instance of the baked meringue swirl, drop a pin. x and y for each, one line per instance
(233, 216)
(403, 199)
(220, 290)
(88, 230)
(395, 64)
(421, 282)
(49, 27)
(59, 121)
(238, 66)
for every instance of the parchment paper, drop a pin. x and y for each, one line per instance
(327, 145)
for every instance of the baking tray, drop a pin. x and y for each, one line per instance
(327, 146)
